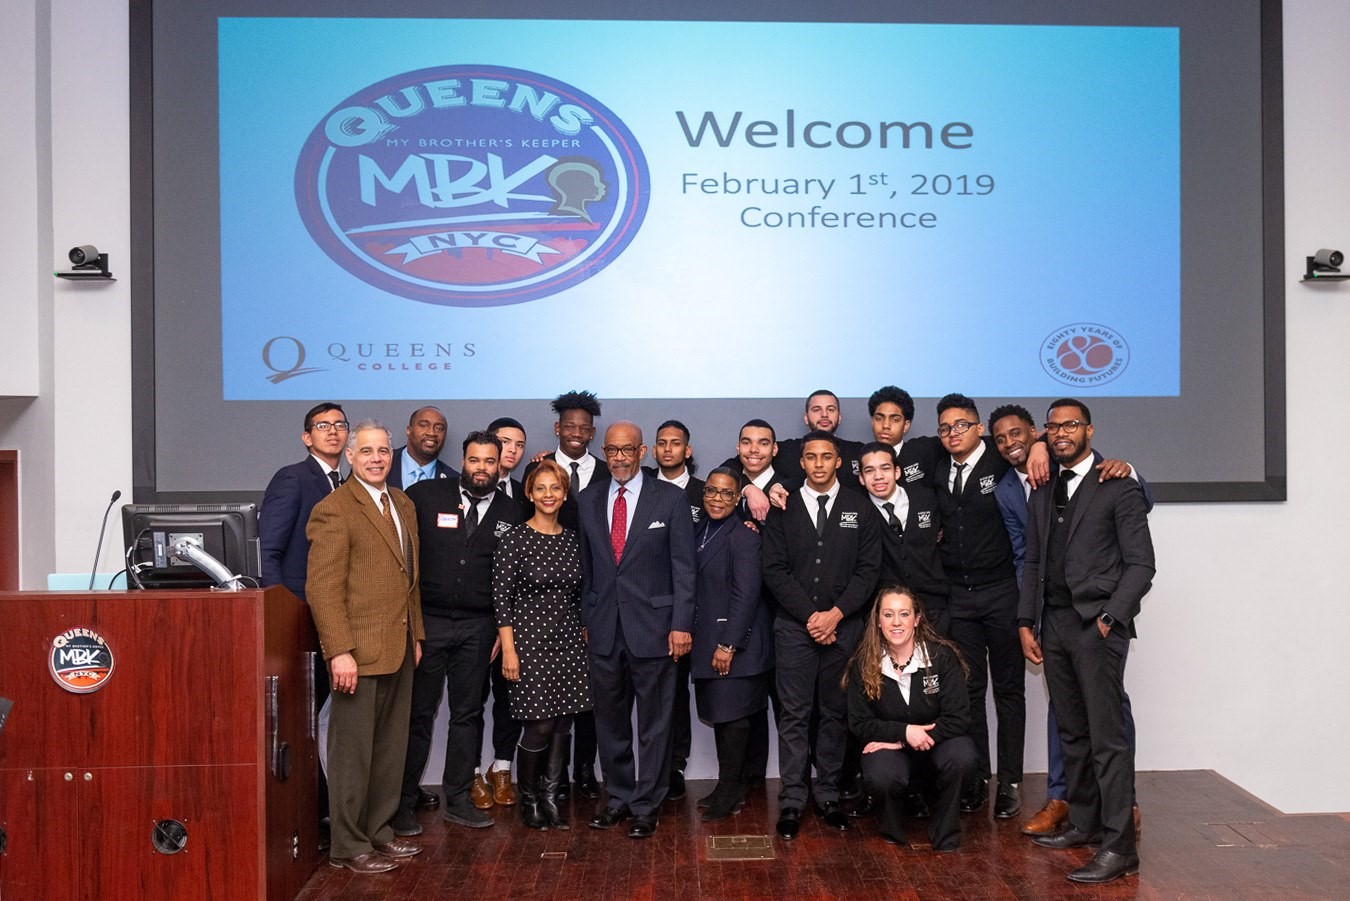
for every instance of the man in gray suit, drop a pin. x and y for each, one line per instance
(637, 551)
(1089, 563)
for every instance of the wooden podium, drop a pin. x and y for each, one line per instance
(189, 773)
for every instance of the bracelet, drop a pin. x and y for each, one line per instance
(726, 647)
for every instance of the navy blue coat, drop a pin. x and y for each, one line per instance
(730, 609)
(652, 588)
(286, 506)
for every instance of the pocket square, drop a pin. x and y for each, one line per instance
(657, 525)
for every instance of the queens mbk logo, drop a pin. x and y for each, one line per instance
(472, 185)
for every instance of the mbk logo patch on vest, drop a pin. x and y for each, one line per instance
(472, 186)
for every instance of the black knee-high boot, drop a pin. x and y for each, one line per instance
(529, 769)
(731, 741)
(552, 807)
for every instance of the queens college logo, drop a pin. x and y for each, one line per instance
(472, 186)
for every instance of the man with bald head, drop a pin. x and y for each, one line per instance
(637, 550)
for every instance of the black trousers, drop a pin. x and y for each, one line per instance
(984, 627)
(808, 677)
(1086, 674)
(888, 773)
(681, 730)
(505, 730)
(454, 659)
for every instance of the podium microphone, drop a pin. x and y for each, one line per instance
(101, 529)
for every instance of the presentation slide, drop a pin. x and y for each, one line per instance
(480, 209)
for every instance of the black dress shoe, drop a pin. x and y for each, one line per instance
(973, 798)
(916, 805)
(891, 838)
(1073, 837)
(675, 791)
(789, 823)
(427, 800)
(833, 815)
(865, 806)
(643, 827)
(1106, 866)
(610, 817)
(586, 784)
(1008, 802)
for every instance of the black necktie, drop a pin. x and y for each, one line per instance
(335, 479)
(470, 517)
(821, 514)
(956, 485)
(576, 478)
(896, 525)
(1062, 488)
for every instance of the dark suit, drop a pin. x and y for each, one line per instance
(1093, 557)
(461, 626)
(517, 495)
(286, 505)
(731, 609)
(808, 573)
(567, 514)
(629, 609)
(363, 593)
(395, 476)
(911, 557)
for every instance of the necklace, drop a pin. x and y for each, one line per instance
(710, 535)
(900, 667)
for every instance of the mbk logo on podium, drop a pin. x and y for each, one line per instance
(80, 660)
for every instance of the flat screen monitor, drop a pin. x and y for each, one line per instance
(155, 536)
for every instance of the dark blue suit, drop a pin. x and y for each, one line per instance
(286, 505)
(629, 610)
(395, 476)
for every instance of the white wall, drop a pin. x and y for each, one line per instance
(1241, 665)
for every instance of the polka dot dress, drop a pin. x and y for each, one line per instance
(536, 588)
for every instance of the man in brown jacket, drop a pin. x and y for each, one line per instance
(362, 585)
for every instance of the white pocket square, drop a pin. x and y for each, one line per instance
(657, 525)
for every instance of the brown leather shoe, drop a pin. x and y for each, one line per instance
(502, 792)
(1052, 815)
(398, 849)
(479, 793)
(1138, 824)
(370, 862)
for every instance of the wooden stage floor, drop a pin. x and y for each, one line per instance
(1203, 837)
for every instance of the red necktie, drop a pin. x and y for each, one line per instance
(618, 528)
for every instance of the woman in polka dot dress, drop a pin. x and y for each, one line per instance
(536, 587)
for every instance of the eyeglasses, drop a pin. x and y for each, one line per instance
(1070, 427)
(325, 426)
(726, 494)
(960, 427)
(627, 450)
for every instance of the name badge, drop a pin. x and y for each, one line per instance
(447, 520)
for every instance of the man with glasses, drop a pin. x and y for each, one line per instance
(977, 558)
(638, 561)
(1089, 563)
(419, 459)
(1014, 434)
(286, 505)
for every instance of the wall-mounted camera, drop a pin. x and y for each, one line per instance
(1325, 266)
(88, 263)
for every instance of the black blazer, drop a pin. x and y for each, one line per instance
(567, 513)
(455, 567)
(914, 560)
(1108, 562)
(808, 573)
(395, 476)
(937, 694)
(730, 608)
(286, 506)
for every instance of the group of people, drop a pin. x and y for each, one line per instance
(869, 593)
